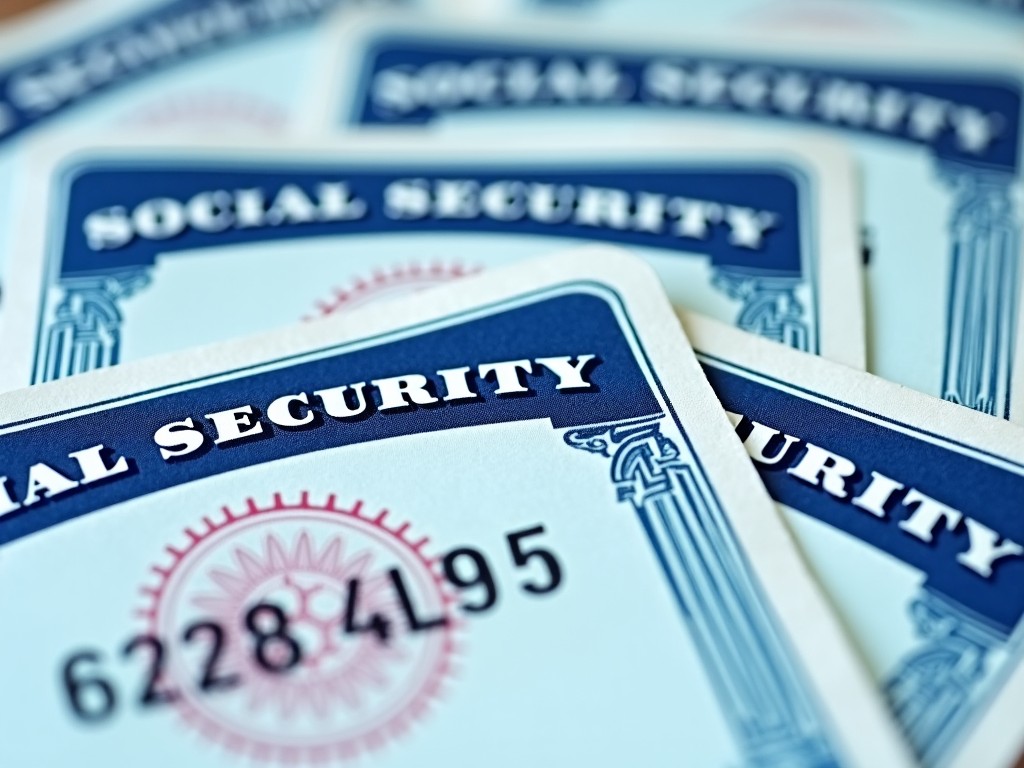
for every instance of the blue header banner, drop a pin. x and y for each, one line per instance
(121, 217)
(46, 85)
(969, 117)
(1007, 6)
(571, 326)
(981, 491)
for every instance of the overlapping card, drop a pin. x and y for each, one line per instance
(908, 510)
(572, 507)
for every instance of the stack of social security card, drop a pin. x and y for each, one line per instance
(512, 382)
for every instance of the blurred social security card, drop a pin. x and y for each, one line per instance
(937, 133)
(502, 519)
(141, 59)
(117, 242)
(909, 512)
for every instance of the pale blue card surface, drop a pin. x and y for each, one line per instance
(502, 521)
(938, 137)
(909, 510)
(762, 236)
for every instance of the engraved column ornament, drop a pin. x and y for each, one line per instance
(770, 307)
(85, 333)
(982, 302)
(931, 688)
(748, 662)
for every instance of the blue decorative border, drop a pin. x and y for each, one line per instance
(751, 667)
(982, 303)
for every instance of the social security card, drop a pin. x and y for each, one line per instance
(909, 511)
(127, 252)
(89, 66)
(500, 520)
(937, 133)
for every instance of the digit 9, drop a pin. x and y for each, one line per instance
(479, 577)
